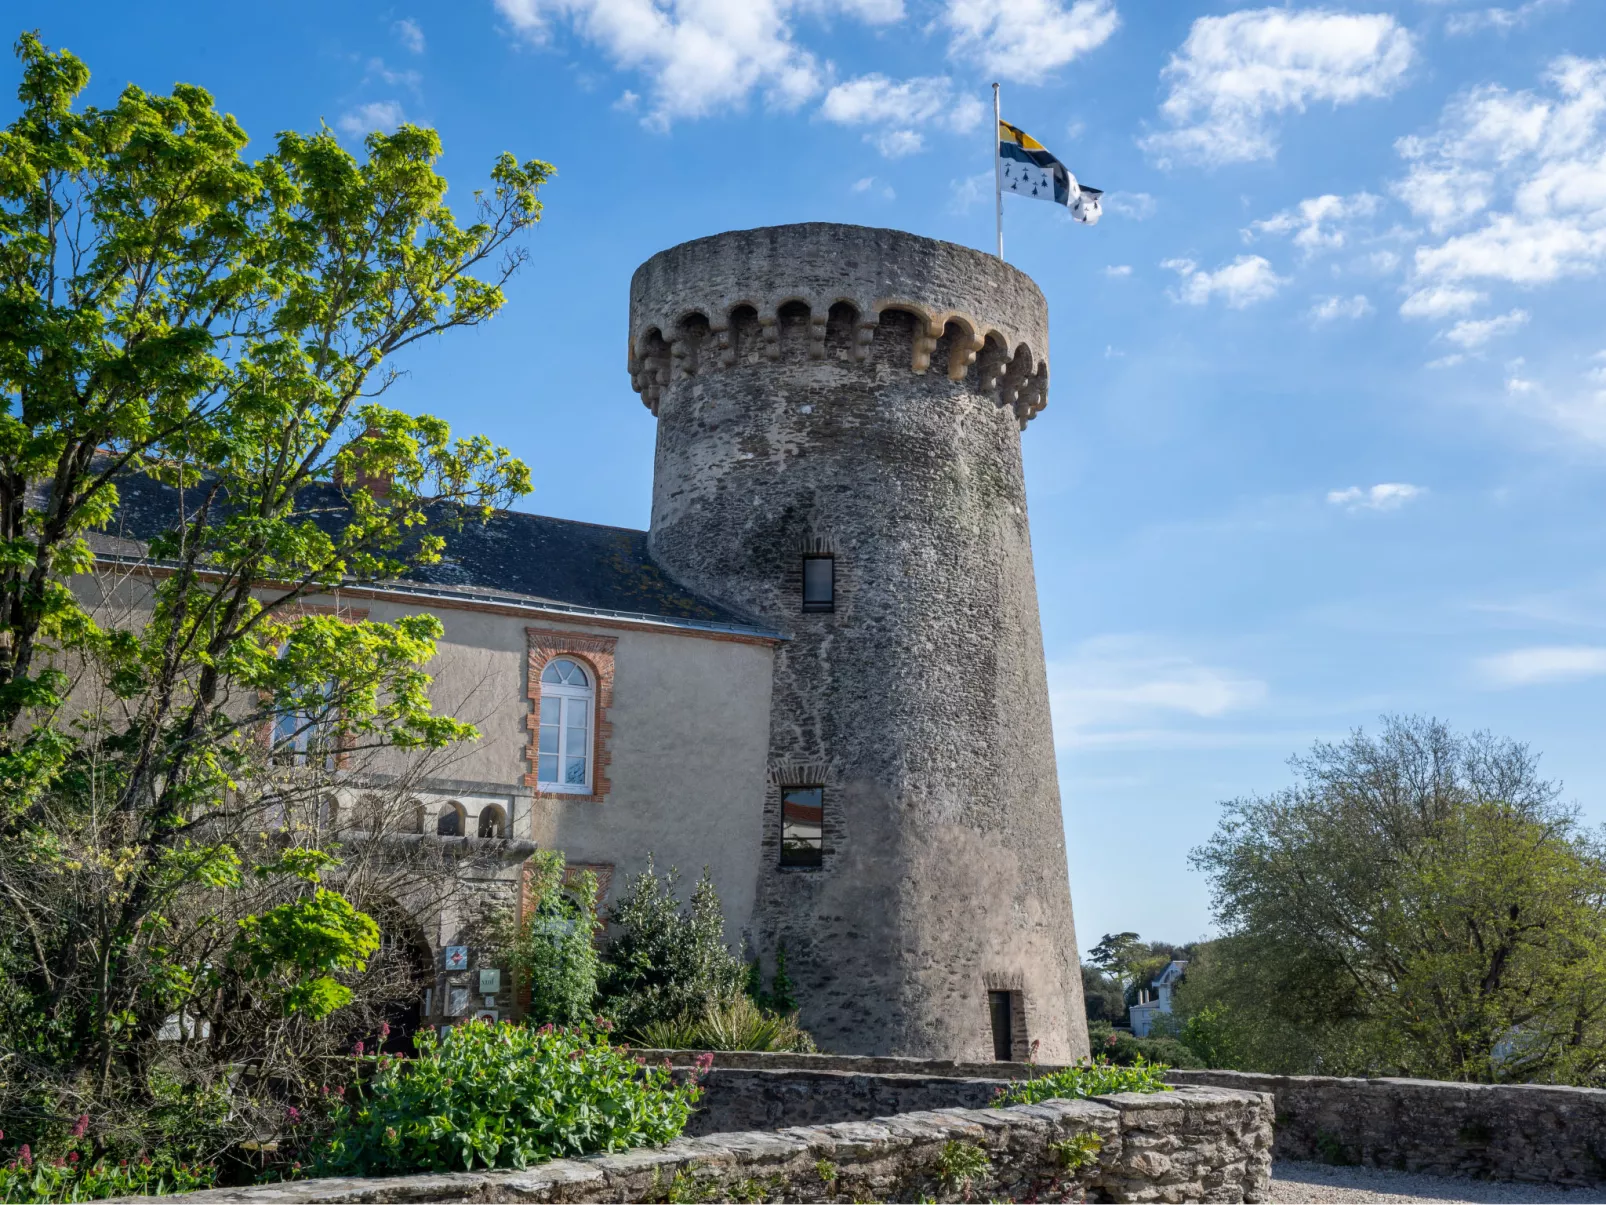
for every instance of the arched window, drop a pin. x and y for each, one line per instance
(563, 756)
(450, 821)
(492, 822)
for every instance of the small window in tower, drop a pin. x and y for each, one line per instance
(1000, 1006)
(802, 826)
(819, 583)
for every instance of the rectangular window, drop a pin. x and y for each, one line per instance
(819, 583)
(1000, 1005)
(802, 834)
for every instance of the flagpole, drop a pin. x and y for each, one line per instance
(998, 174)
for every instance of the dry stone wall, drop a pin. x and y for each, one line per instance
(1195, 1144)
(1528, 1132)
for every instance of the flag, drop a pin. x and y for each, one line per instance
(1028, 169)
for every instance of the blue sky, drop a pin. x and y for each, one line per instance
(1327, 427)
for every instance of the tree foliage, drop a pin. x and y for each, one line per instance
(210, 336)
(552, 948)
(1419, 903)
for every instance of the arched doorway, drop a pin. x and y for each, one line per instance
(408, 967)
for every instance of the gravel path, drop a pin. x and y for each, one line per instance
(1292, 1183)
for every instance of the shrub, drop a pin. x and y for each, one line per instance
(69, 1177)
(734, 1024)
(667, 961)
(552, 950)
(959, 1163)
(1083, 1080)
(502, 1096)
(1118, 1046)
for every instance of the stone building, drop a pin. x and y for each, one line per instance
(820, 672)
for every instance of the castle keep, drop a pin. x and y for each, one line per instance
(819, 674)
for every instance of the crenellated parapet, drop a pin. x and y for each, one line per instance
(822, 292)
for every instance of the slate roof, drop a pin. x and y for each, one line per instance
(530, 558)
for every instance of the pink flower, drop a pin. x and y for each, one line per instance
(294, 1114)
(25, 1156)
(81, 1126)
(72, 1156)
(703, 1062)
(358, 1048)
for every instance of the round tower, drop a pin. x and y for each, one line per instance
(839, 421)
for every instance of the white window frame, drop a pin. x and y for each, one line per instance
(569, 697)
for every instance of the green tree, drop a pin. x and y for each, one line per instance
(209, 335)
(552, 948)
(667, 961)
(1419, 903)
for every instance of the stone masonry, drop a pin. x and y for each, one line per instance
(1196, 1144)
(859, 393)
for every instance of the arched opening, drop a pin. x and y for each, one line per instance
(449, 822)
(493, 823)
(403, 969)
(894, 337)
(691, 346)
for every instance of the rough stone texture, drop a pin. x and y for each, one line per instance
(857, 392)
(1196, 1145)
(1525, 1132)
(739, 1099)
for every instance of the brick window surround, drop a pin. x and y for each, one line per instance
(596, 654)
(1020, 1038)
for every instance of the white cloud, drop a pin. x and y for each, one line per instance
(1517, 385)
(1502, 20)
(1235, 73)
(1387, 495)
(871, 184)
(1441, 301)
(1472, 333)
(897, 106)
(699, 56)
(406, 78)
(1116, 682)
(628, 101)
(1027, 39)
(1246, 280)
(409, 34)
(1514, 183)
(1449, 361)
(964, 195)
(1134, 205)
(1330, 309)
(1317, 222)
(1536, 666)
(364, 119)
(1118, 270)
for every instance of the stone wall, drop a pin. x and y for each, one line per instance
(1194, 1144)
(1524, 1132)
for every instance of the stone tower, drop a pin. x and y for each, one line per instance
(846, 404)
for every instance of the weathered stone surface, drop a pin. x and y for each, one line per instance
(840, 390)
(1219, 1137)
(1525, 1132)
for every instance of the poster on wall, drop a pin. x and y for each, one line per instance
(457, 1001)
(457, 958)
(490, 981)
(486, 1014)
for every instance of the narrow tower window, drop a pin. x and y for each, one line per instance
(802, 826)
(1001, 1007)
(563, 757)
(819, 583)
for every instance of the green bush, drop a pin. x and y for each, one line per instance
(734, 1024)
(552, 950)
(666, 961)
(1119, 1047)
(70, 1177)
(502, 1096)
(1083, 1080)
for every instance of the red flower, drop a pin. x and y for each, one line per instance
(384, 1030)
(81, 1126)
(72, 1156)
(358, 1048)
(25, 1156)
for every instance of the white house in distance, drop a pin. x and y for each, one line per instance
(1144, 1011)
